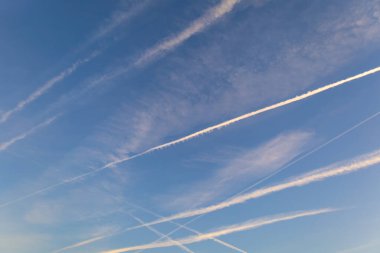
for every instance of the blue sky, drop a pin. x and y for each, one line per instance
(109, 116)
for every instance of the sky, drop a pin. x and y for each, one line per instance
(189, 126)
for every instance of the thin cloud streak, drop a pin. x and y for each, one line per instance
(224, 7)
(253, 224)
(161, 235)
(212, 15)
(196, 134)
(118, 18)
(5, 145)
(45, 87)
(338, 169)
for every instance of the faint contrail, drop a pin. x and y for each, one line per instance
(7, 144)
(45, 87)
(224, 7)
(79, 244)
(253, 224)
(356, 164)
(177, 243)
(198, 133)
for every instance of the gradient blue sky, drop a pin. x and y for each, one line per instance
(86, 83)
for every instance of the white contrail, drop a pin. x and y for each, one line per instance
(197, 134)
(161, 234)
(265, 109)
(253, 224)
(45, 87)
(224, 7)
(359, 163)
(246, 116)
(7, 144)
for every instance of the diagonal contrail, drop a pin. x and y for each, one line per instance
(45, 87)
(224, 7)
(253, 224)
(14, 140)
(199, 133)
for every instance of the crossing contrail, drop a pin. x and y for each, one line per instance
(179, 226)
(175, 242)
(253, 224)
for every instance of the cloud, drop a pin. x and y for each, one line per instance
(338, 169)
(69, 206)
(14, 140)
(253, 224)
(245, 167)
(212, 15)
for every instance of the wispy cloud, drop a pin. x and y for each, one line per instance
(253, 224)
(246, 166)
(362, 247)
(212, 15)
(194, 135)
(14, 140)
(45, 87)
(342, 168)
